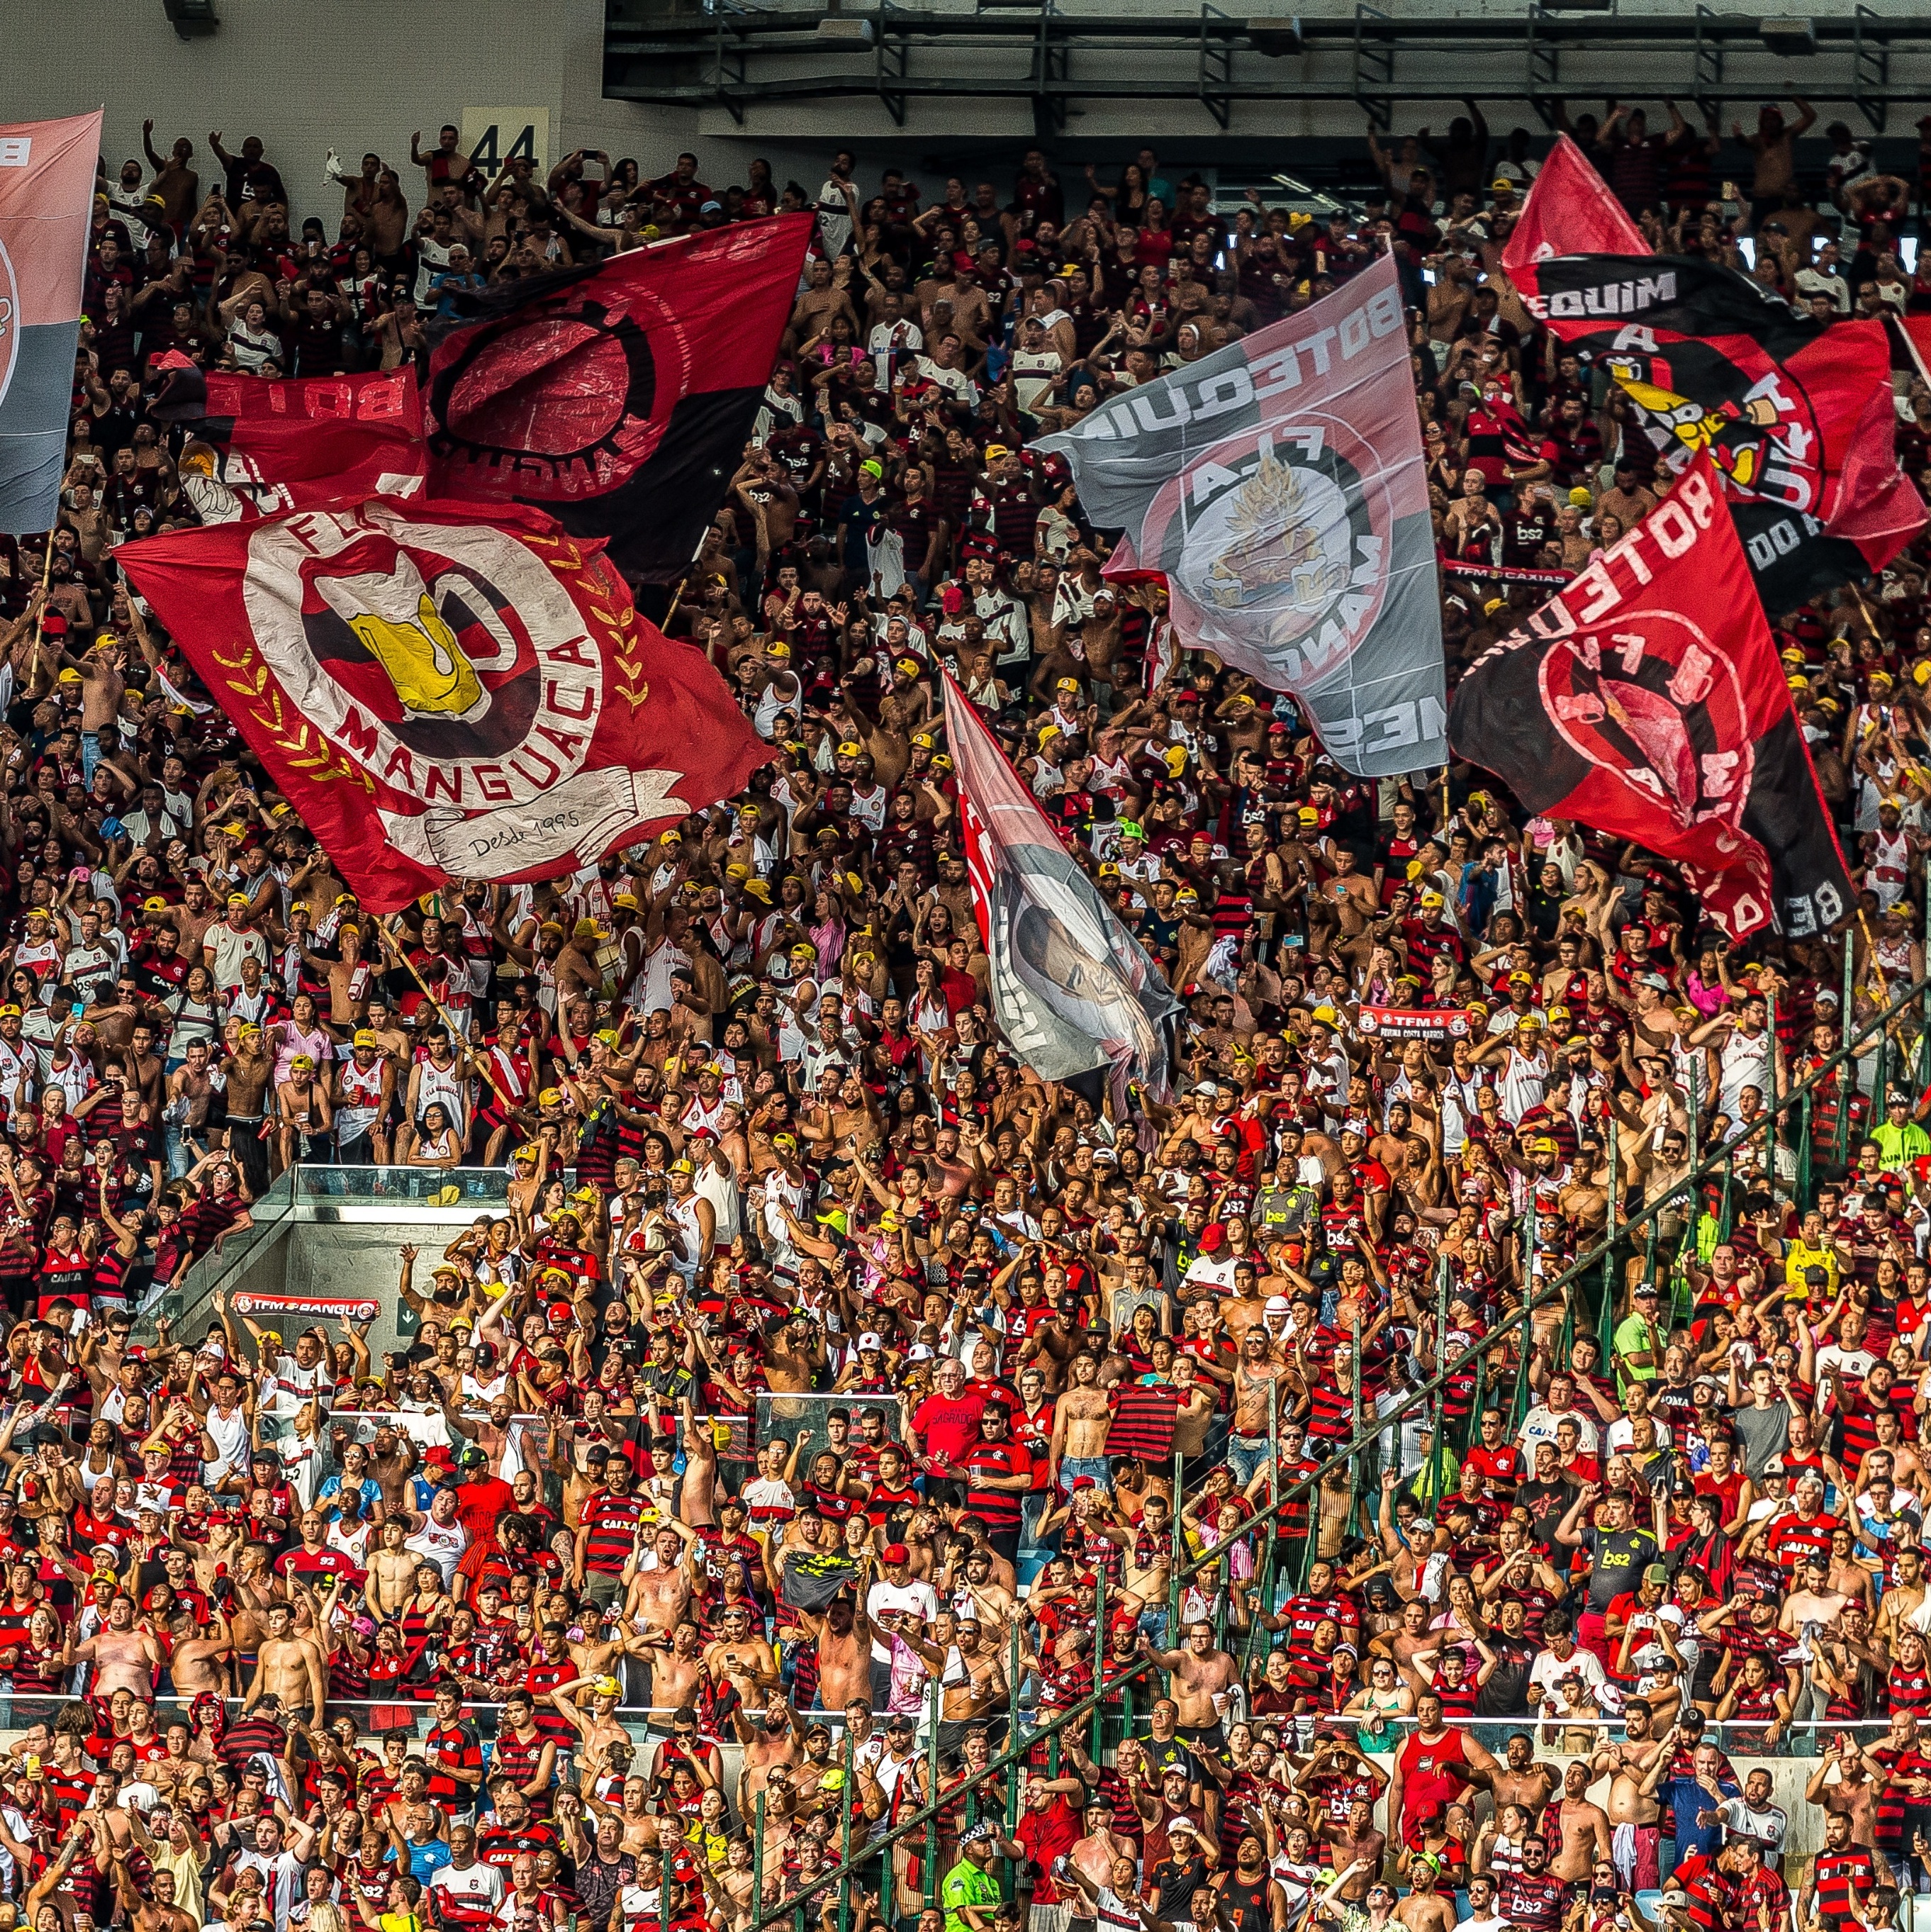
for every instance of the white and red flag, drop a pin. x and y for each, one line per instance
(447, 691)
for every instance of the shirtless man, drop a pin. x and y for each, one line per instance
(769, 1749)
(661, 1582)
(1585, 1825)
(1520, 1779)
(1347, 904)
(1894, 1608)
(696, 1500)
(1410, 1638)
(1357, 1847)
(1425, 1910)
(676, 1664)
(1080, 1420)
(1146, 1565)
(392, 1569)
(148, 1907)
(250, 1067)
(288, 1668)
(125, 1659)
(962, 1698)
(844, 1651)
(1627, 1758)
(1854, 1793)
(196, 1665)
(597, 1728)
(1096, 1853)
(1201, 1675)
(984, 1596)
(743, 1657)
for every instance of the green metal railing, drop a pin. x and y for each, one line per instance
(1596, 1264)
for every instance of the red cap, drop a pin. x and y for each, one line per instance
(897, 1552)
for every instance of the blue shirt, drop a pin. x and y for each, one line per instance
(427, 1858)
(1688, 1803)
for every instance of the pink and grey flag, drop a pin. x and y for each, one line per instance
(1279, 485)
(47, 191)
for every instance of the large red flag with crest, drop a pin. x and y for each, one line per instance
(1646, 701)
(445, 691)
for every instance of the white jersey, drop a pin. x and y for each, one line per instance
(1745, 1063)
(1524, 1077)
(360, 1104)
(440, 1544)
(445, 1085)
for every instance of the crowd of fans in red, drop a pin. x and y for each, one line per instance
(819, 1360)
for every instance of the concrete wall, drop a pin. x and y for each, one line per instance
(364, 74)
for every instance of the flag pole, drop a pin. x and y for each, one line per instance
(677, 596)
(46, 580)
(457, 1038)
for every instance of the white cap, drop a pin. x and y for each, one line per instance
(1279, 1304)
(868, 1340)
(918, 1352)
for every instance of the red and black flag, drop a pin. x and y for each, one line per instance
(1795, 414)
(1646, 701)
(618, 396)
(258, 447)
(445, 692)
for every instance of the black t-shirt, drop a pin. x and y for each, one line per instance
(1547, 1503)
(1178, 1879)
(1524, 533)
(1617, 1560)
(1507, 1693)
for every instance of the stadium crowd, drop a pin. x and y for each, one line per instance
(828, 1385)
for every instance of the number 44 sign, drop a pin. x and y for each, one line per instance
(492, 137)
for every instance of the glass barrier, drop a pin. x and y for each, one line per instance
(418, 1186)
(800, 1420)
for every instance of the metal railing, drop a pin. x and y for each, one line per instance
(1618, 1230)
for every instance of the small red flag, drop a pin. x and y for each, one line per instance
(1569, 211)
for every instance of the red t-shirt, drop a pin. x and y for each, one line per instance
(949, 1426)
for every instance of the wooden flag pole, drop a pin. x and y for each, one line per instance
(458, 1039)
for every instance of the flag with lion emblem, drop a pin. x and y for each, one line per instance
(447, 692)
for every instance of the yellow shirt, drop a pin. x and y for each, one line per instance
(1796, 1257)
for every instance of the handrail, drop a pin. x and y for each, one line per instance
(1309, 1484)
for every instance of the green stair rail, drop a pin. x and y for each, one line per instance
(1106, 1685)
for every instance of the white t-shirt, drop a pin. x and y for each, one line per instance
(480, 1887)
(1549, 1670)
(1769, 1826)
(281, 1879)
(920, 1598)
(1539, 1426)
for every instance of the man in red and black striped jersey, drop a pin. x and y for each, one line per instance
(515, 1833)
(1842, 1865)
(1532, 1899)
(606, 1535)
(455, 1754)
(998, 1472)
(1802, 1532)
